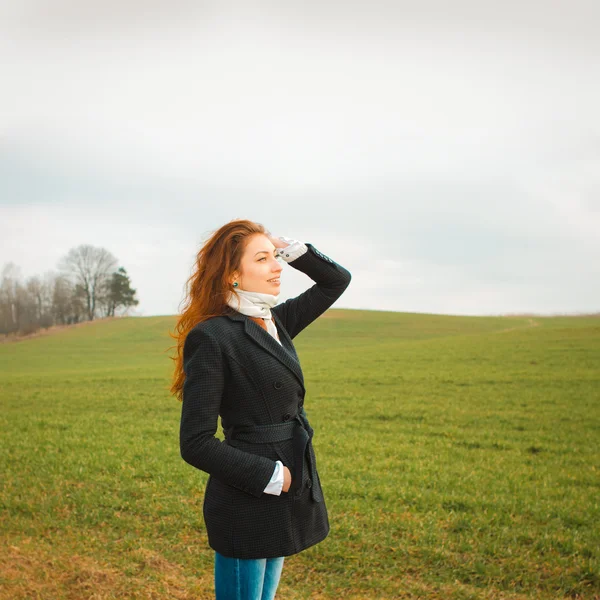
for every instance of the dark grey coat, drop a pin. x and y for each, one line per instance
(236, 370)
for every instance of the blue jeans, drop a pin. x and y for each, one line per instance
(246, 578)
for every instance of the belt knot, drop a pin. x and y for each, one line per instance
(300, 432)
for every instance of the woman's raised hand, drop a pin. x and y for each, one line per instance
(276, 241)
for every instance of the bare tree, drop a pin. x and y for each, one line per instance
(67, 306)
(62, 293)
(40, 293)
(90, 269)
(27, 320)
(9, 298)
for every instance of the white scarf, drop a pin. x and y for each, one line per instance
(255, 304)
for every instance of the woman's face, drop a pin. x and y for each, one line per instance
(260, 269)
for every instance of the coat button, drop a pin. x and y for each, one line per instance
(309, 483)
(287, 417)
(277, 385)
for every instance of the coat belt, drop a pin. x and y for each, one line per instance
(299, 431)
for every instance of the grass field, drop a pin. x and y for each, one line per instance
(459, 456)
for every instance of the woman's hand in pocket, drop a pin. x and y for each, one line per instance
(287, 479)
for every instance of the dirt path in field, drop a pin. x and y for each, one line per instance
(7, 339)
(532, 323)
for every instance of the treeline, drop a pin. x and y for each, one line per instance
(88, 285)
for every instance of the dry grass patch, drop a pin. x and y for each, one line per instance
(32, 569)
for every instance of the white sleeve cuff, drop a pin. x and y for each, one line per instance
(293, 250)
(276, 484)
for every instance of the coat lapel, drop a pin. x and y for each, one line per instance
(284, 352)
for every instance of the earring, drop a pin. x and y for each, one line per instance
(235, 284)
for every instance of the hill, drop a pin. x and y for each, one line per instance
(459, 458)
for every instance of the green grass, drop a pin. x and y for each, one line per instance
(459, 456)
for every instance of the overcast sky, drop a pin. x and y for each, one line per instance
(447, 154)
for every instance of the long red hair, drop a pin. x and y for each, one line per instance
(208, 288)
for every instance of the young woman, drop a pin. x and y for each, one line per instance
(236, 359)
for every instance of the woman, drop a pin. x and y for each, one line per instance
(236, 359)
